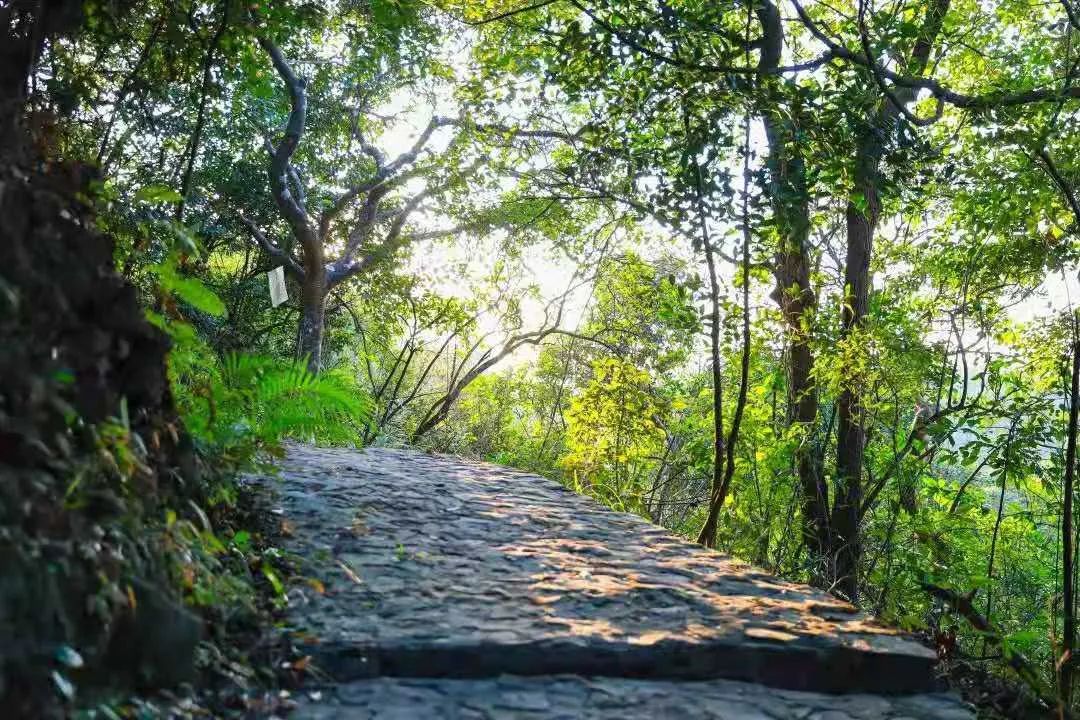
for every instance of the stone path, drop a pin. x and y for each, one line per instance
(463, 590)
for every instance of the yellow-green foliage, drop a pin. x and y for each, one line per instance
(610, 431)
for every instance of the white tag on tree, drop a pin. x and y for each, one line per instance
(278, 293)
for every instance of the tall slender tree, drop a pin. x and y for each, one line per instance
(789, 197)
(862, 215)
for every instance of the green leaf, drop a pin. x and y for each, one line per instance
(197, 295)
(275, 581)
(158, 194)
(190, 290)
(242, 540)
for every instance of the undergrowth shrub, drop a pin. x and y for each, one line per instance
(133, 557)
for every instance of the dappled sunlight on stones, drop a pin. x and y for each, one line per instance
(437, 567)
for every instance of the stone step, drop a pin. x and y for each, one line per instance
(443, 568)
(573, 698)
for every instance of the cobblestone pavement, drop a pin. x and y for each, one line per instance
(609, 699)
(458, 575)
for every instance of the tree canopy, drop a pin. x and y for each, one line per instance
(793, 279)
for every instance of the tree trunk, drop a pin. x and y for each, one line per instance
(795, 296)
(312, 316)
(803, 397)
(744, 360)
(125, 88)
(846, 547)
(787, 192)
(862, 218)
(1005, 458)
(724, 466)
(200, 120)
(718, 493)
(1068, 639)
(718, 489)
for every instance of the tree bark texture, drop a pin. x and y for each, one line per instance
(862, 215)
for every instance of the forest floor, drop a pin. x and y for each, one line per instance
(439, 588)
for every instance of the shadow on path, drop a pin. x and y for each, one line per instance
(435, 567)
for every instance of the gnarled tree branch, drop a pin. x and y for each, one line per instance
(271, 248)
(281, 157)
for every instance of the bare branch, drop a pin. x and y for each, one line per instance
(272, 249)
(409, 157)
(1062, 184)
(459, 380)
(386, 176)
(516, 132)
(508, 14)
(298, 186)
(900, 103)
(942, 93)
(367, 148)
(281, 157)
(347, 266)
(771, 69)
(962, 605)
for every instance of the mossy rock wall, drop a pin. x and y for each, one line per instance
(91, 451)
